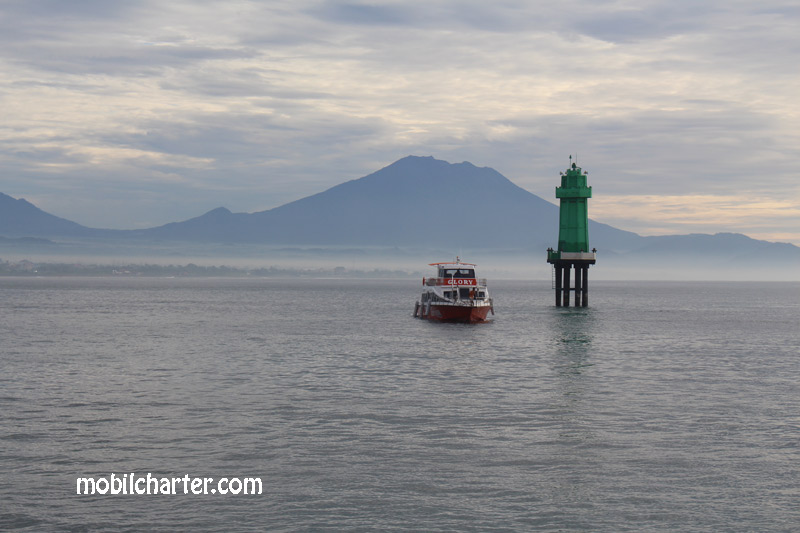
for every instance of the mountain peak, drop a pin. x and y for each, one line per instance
(220, 211)
(426, 174)
(428, 161)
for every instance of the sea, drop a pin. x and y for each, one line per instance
(662, 406)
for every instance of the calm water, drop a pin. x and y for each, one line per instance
(662, 407)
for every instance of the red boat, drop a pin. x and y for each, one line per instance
(454, 295)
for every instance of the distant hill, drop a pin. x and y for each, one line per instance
(414, 202)
(20, 218)
(725, 248)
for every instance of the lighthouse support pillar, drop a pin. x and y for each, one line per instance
(563, 280)
(585, 285)
(558, 277)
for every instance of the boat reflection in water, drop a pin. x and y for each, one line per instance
(456, 294)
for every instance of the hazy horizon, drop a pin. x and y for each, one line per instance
(523, 265)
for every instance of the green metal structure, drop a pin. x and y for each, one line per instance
(573, 232)
(573, 238)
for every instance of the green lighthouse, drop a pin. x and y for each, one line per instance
(573, 238)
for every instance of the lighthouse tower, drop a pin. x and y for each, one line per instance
(573, 238)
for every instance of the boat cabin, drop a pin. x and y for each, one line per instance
(456, 282)
(460, 272)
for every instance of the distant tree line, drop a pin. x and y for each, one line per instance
(29, 268)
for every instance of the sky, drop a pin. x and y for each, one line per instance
(138, 113)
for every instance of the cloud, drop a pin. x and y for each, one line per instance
(647, 22)
(366, 14)
(758, 216)
(193, 105)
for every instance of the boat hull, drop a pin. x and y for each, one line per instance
(455, 313)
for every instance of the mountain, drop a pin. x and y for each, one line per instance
(417, 202)
(414, 201)
(20, 218)
(735, 245)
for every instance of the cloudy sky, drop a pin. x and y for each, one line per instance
(136, 113)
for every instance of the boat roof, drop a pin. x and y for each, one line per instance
(452, 264)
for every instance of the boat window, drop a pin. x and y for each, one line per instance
(463, 293)
(457, 273)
